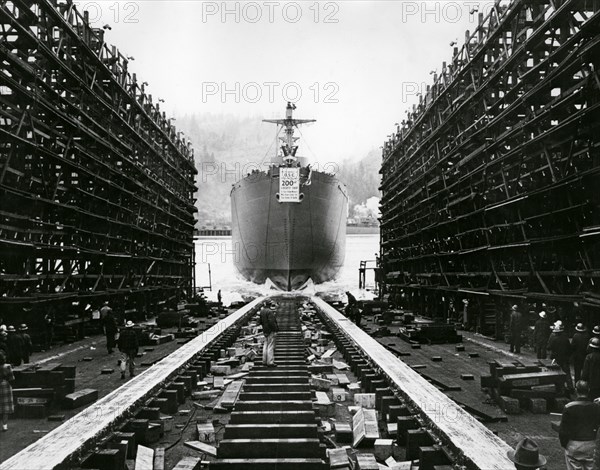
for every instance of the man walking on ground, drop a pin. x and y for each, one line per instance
(591, 368)
(128, 345)
(579, 345)
(270, 329)
(541, 333)
(110, 326)
(578, 428)
(516, 325)
(561, 352)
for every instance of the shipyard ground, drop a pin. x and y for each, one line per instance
(23, 432)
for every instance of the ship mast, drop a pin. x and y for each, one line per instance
(289, 147)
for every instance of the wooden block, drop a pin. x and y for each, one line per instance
(415, 346)
(332, 378)
(339, 394)
(473, 354)
(467, 376)
(338, 458)
(87, 359)
(56, 418)
(188, 463)
(436, 358)
(366, 462)
(320, 383)
(153, 433)
(418, 366)
(343, 432)
(353, 389)
(537, 405)
(339, 365)
(509, 405)
(364, 426)
(107, 371)
(202, 447)
(105, 459)
(559, 404)
(328, 356)
(220, 370)
(365, 400)
(206, 432)
(459, 347)
(383, 448)
(144, 459)
(80, 398)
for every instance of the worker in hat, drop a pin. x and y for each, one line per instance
(516, 328)
(3, 341)
(561, 352)
(578, 427)
(526, 455)
(110, 326)
(128, 345)
(596, 331)
(27, 345)
(591, 368)
(268, 321)
(579, 346)
(6, 392)
(15, 346)
(541, 334)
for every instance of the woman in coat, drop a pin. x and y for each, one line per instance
(6, 395)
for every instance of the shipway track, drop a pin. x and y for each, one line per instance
(273, 424)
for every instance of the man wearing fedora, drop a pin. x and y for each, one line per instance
(516, 327)
(526, 455)
(591, 368)
(578, 428)
(128, 345)
(579, 345)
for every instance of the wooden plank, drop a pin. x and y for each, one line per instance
(76, 434)
(144, 458)
(371, 426)
(358, 427)
(338, 458)
(477, 444)
(202, 447)
(159, 458)
(187, 463)
(230, 395)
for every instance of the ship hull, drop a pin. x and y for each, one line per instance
(288, 243)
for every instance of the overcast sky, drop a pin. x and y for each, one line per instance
(352, 65)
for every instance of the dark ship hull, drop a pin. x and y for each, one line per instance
(287, 242)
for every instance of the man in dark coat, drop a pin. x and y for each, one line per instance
(128, 345)
(27, 345)
(15, 347)
(4, 341)
(516, 327)
(270, 328)
(561, 352)
(541, 333)
(110, 326)
(591, 368)
(349, 310)
(579, 345)
(578, 428)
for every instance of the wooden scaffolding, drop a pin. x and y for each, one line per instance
(96, 184)
(491, 183)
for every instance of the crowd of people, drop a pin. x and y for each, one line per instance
(15, 345)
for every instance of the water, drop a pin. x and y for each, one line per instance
(217, 253)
